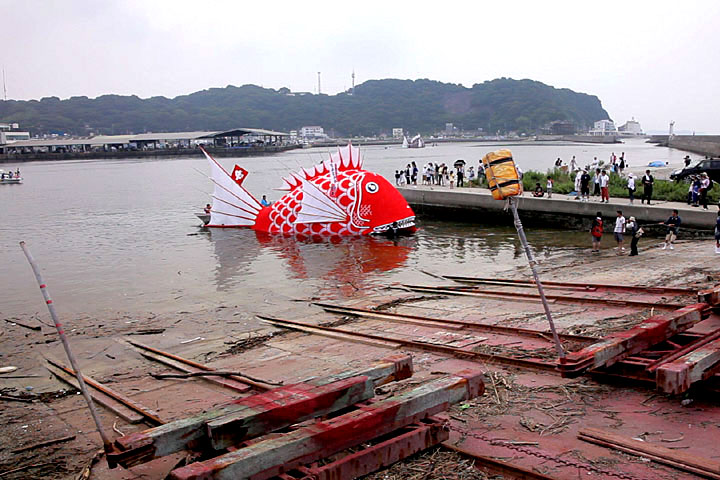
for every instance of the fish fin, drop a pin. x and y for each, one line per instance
(317, 207)
(232, 204)
(346, 158)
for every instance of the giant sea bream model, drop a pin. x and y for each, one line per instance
(335, 198)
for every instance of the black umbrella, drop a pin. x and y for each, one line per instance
(459, 163)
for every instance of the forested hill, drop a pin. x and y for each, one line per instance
(377, 106)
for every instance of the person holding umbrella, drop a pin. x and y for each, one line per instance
(460, 167)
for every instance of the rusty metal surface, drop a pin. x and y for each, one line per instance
(272, 457)
(443, 322)
(402, 444)
(471, 291)
(575, 285)
(200, 366)
(620, 345)
(458, 352)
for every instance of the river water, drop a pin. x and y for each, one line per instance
(120, 236)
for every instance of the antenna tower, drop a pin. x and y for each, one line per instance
(353, 82)
(4, 86)
(319, 90)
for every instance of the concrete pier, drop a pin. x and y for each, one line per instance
(563, 211)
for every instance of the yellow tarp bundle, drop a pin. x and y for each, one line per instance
(501, 174)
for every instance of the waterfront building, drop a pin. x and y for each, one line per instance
(631, 128)
(9, 133)
(397, 132)
(235, 138)
(312, 132)
(604, 127)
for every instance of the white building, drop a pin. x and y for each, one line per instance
(604, 127)
(9, 133)
(397, 132)
(312, 132)
(631, 127)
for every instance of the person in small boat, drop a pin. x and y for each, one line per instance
(207, 209)
(264, 202)
(17, 173)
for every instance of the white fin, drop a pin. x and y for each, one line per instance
(346, 158)
(233, 206)
(317, 207)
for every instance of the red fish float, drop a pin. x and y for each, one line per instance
(334, 198)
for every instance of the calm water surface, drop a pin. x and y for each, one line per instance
(120, 235)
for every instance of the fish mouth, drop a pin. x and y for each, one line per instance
(408, 222)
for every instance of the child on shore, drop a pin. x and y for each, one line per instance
(596, 231)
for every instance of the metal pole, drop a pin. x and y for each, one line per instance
(106, 441)
(531, 261)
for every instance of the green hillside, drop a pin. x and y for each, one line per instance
(377, 106)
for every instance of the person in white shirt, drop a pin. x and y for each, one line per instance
(549, 187)
(619, 230)
(578, 177)
(631, 187)
(604, 191)
(573, 164)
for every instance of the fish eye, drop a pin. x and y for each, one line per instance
(372, 187)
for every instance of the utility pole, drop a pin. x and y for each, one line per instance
(353, 82)
(319, 90)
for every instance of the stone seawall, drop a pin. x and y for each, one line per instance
(702, 144)
(477, 205)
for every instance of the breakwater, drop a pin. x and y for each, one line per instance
(703, 144)
(561, 211)
(164, 152)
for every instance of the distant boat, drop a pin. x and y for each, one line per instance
(6, 179)
(416, 142)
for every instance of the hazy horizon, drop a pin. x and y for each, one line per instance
(654, 61)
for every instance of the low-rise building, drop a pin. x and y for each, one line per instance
(312, 132)
(9, 133)
(604, 127)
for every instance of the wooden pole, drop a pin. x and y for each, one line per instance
(83, 388)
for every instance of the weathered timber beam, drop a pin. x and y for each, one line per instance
(679, 375)
(266, 459)
(264, 412)
(711, 296)
(619, 345)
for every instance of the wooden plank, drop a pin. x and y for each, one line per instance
(106, 401)
(271, 409)
(269, 458)
(679, 375)
(681, 460)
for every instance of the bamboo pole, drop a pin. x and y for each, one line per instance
(531, 260)
(51, 307)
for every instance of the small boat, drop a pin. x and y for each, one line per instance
(417, 142)
(7, 179)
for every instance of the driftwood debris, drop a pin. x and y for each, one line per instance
(44, 444)
(214, 373)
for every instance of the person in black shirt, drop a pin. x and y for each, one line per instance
(672, 223)
(585, 186)
(647, 181)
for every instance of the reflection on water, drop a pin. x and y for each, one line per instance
(120, 236)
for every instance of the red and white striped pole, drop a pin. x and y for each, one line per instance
(83, 388)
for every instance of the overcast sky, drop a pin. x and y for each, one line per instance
(654, 60)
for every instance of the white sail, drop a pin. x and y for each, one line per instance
(232, 206)
(405, 142)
